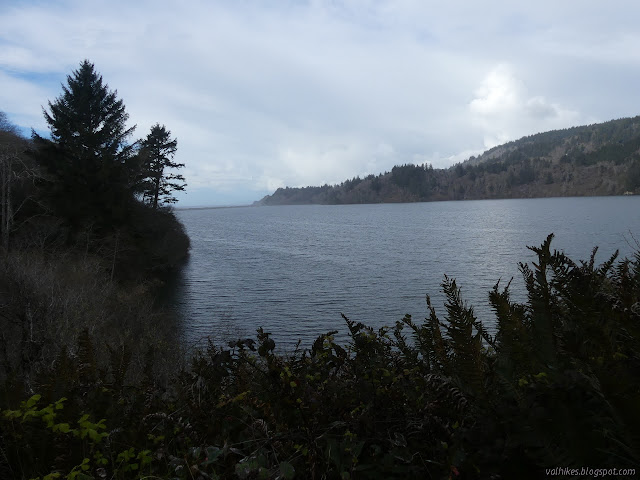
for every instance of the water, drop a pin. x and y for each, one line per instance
(293, 270)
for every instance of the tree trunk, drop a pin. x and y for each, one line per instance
(115, 254)
(5, 212)
(156, 191)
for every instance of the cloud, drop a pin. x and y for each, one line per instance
(265, 94)
(22, 100)
(333, 159)
(504, 111)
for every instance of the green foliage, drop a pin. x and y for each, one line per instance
(592, 160)
(156, 183)
(557, 385)
(81, 261)
(88, 158)
(416, 179)
(88, 120)
(85, 198)
(633, 176)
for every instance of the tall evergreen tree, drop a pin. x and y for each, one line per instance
(88, 155)
(157, 152)
(88, 120)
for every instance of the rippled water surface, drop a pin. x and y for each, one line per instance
(294, 269)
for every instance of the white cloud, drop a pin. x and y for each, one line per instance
(261, 94)
(22, 100)
(504, 111)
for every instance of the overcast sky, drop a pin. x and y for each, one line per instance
(264, 94)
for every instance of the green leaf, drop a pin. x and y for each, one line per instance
(287, 470)
(242, 470)
(213, 453)
(357, 448)
(62, 427)
(12, 414)
(51, 476)
(83, 476)
(33, 400)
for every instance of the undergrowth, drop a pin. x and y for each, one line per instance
(558, 385)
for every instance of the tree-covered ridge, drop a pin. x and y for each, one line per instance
(599, 159)
(558, 385)
(587, 137)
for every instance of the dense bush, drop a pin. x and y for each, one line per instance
(558, 385)
(50, 301)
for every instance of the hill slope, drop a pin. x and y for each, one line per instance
(598, 159)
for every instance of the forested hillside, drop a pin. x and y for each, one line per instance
(599, 159)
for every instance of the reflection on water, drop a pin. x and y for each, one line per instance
(293, 270)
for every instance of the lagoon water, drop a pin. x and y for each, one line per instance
(294, 269)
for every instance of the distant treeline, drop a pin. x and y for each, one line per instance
(599, 159)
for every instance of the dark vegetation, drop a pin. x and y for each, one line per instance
(86, 239)
(88, 191)
(557, 386)
(93, 387)
(599, 159)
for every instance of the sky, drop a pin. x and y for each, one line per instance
(264, 94)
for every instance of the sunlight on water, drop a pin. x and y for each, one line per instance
(293, 270)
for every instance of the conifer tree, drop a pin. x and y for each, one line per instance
(157, 152)
(88, 120)
(88, 155)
